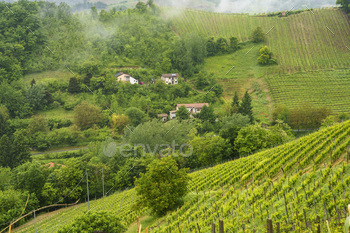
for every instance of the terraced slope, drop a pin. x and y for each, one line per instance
(311, 40)
(305, 177)
(319, 88)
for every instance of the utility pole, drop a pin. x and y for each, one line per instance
(103, 184)
(35, 222)
(87, 189)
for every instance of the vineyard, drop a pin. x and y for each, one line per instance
(319, 88)
(292, 184)
(311, 40)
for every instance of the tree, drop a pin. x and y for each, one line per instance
(235, 103)
(265, 57)
(183, 113)
(136, 116)
(207, 114)
(231, 125)
(14, 151)
(209, 149)
(3, 125)
(345, 4)
(35, 96)
(86, 115)
(119, 122)
(234, 46)
(73, 86)
(38, 123)
(141, 6)
(32, 83)
(29, 177)
(250, 139)
(246, 107)
(258, 35)
(211, 46)
(162, 186)
(100, 221)
(222, 45)
(281, 112)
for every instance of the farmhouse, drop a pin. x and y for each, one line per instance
(192, 109)
(170, 78)
(121, 77)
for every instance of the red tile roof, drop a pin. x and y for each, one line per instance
(162, 115)
(51, 165)
(196, 105)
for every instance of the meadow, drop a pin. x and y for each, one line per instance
(292, 184)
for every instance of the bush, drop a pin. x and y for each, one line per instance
(95, 222)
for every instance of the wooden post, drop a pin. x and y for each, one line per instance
(318, 224)
(138, 224)
(278, 227)
(199, 230)
(305, 218)
(213, 228)
(221, 226)
(269, 226)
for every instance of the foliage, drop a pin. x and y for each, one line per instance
(86, 115)
(209, 149)
(38, 123)
(207, 114)
(136, 116)
(182, 113)
(250, 139)
(245, 108)
(14, 150)
(162, 186)
(258, 35)
(100, 221)
(265, 57)
(119, 122)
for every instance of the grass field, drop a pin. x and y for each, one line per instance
(48, 76)
(305, 177)
(239, 72)
(310, 40)
(318, 88)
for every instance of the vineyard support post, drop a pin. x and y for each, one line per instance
(318, 224)
(278, 227)
(213, 228)
(221, 226)
(103, 184)
(269, 226)
(87, 189)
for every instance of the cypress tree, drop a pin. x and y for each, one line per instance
(246, 106)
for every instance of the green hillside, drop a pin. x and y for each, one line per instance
(305, 41)
(304, 178)
(305, 45)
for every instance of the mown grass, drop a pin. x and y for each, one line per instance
(48, 76)
(239, 72)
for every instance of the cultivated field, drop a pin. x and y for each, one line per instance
(311, 40)
(292, 184)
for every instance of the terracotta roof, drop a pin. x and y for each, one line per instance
(162, 115)
(195, 105)
(170, 75)
(51, 165)
(174, 111)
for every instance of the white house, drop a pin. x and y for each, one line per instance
(171, 79)
(126, 78)
(172, 114)
(192, 109)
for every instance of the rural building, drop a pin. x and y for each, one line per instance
(192, 109)
(163, 116)
(172, 114)
(121, 77)
(171, 79)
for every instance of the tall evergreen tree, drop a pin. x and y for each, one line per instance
(73, 86)
(246, 106)
(3, 125)
(235, 103)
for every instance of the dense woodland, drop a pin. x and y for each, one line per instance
(94, 45)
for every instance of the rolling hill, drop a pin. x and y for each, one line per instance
(292, 184)
(311, 47)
